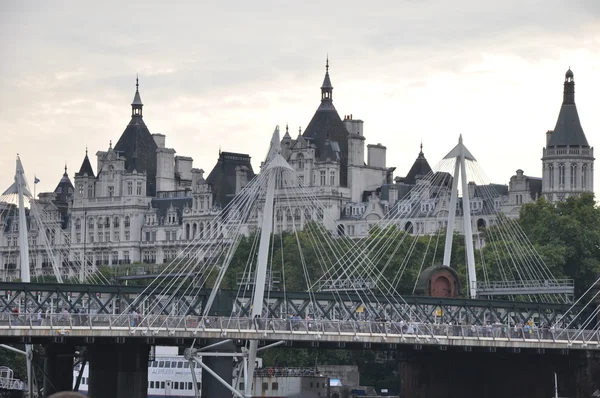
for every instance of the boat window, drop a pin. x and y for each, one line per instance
(199, 386)
(265, 386)
(151, 384)
(154, 364)
(176, 385)
(274, 386)
(161, 364)
(162, 384)
(241, 386)
(186, 365)
(189, 385)
(167, 364)
(173, 365)
(180, 364)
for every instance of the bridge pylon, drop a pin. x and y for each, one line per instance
(461, 154)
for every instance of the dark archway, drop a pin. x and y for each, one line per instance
(408, 227)
(481, 224)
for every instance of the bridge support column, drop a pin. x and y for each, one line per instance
(58, 366)
(222, 366)
(118, 370)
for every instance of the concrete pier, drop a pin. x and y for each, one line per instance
(119, 371)
(223, 366)
(58, 368)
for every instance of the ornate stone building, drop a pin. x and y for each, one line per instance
(568, 159)
(145, 204)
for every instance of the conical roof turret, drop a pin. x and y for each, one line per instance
(568, 130)
(86, 167)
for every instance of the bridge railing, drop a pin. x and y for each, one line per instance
(64, 323)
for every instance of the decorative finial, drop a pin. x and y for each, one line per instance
(421, 147)
(299, 130)
(110, 144)
(327, 64)
(86, 150)
(65, 167)
(137, 83)
(286, 128)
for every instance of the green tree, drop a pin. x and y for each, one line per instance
(567, 237)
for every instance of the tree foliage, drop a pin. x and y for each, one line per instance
(567, 237)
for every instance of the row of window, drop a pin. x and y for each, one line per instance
(561, 176)
(103, 222)
(174, 385)
(111, 189)
(103, 237)
(296, 214)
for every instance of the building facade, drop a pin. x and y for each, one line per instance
(143, 203)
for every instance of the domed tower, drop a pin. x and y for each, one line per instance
(568, 159)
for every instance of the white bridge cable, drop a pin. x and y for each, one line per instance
(353, 254)
(375, 248)
(190, 257)
(520, 246)
(521, 263)
(53, 243)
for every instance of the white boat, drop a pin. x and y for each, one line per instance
(169, 376)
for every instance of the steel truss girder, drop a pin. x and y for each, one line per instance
(325, 305)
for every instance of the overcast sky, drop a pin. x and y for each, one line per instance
(223, 74)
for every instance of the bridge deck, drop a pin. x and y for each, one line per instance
(180, 327)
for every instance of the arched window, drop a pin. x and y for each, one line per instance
(279, 215)
(127, 222)
(297, 215)
(584, 176)
(300, 159)
(408, 227)
(187, 231)
(307, 214)
(194, 230)
(481, 224)
(561, 175)
(551, 176)
(116, 222)
(288, 214)
(100, 222)
(78, 223)
(573, 176)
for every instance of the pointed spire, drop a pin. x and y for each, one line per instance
(65, 169)
(136, 105)
(326, 87)
(86, 167)
(421, 155)
(568, 130)
(287, 136)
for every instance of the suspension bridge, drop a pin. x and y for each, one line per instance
(347, 292)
